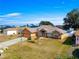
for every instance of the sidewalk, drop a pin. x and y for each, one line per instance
(11, 42)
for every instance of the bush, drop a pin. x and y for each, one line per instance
(76, 53)
(70, 40)
(30, 40)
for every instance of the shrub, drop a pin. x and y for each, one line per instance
(30, 40)
(76, 53)
(70, 40)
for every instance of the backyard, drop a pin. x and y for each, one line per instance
(41, 49)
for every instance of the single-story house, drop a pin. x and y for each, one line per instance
(10, 31)
(30, 32)
(43, 31)
(49, 31)
(26, 33)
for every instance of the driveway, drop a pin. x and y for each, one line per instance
(11, 42)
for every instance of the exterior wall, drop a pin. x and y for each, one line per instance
(49, 35)
(39, 34)
(64, 37)
(11, 32)
(77, 40)
(33, 36)
(26, 33)
(5, 32)
(46, 34)
(42, 33)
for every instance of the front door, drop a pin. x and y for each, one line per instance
(43, 33)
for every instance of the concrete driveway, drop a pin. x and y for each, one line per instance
(11, 42)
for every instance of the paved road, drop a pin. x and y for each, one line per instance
(11, 42)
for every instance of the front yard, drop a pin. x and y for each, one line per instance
(42, 49)
(4, 38)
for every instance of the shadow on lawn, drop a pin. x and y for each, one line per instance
(70, 41)
(75, 53)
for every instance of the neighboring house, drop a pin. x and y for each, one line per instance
(49, 31)
(33, 33)
(41, 31)
(30, 32)
(11, 31)
(66, 35)
(26, 33)
(77, 37)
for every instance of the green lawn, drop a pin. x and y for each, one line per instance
(42, 49)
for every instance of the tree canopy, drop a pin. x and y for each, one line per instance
(45, 23)
(72, 19)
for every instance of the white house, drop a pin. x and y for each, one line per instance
(11, 31)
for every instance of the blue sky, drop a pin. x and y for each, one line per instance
(20, 12)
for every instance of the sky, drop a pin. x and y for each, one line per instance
(22, 12)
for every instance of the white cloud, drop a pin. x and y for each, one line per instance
(34, 20)
(13, 15)
(55, 20)
(10, 15)
(50, 18)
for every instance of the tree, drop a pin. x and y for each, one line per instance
(45, 23)
(72, 19)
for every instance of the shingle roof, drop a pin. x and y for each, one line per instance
(32, 30)
(11, 29)
(50, 28)
(60, 30)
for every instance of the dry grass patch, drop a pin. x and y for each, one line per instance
(42, 49)
(6, 38)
